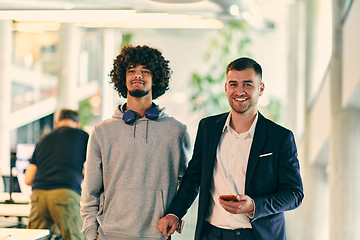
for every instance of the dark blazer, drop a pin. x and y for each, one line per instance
(273, 178)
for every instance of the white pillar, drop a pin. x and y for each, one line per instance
(68, 71)
(293, 217)
(107, 104)
(314, 209)
(344, 166)
(5, 94)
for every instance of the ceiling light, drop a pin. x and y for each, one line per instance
(157, 20)
(234, 10)
(176, 1)
(115, 18)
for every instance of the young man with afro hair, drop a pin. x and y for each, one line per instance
(137, 158)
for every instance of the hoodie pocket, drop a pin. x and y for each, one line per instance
(135, 212)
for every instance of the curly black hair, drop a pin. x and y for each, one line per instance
(143, 55)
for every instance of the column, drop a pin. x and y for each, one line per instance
(293, 218)
(315, 204)
(344, 166)
(5, 95)
(107, 98)
(68, 71)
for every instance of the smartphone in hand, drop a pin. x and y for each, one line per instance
(230, 198)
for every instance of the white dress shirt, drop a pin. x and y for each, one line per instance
(229, 175)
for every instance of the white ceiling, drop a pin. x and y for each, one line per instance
(261, 10)
(138, 5)
(205, 8)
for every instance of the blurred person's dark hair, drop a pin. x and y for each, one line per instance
(69, 114)
(151, 58)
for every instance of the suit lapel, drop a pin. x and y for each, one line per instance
(259, 140)
(214, 139)
(208, 168)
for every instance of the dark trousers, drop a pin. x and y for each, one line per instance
(214, 233)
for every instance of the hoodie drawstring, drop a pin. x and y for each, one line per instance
(146, 130)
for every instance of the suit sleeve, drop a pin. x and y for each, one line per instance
(289, 192)
(190, 185)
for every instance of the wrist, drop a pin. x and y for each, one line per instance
(251, 214)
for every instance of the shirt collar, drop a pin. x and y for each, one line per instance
(251, 131)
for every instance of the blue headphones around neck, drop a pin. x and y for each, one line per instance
(129, 116)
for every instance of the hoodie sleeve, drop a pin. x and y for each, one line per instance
(92, 188)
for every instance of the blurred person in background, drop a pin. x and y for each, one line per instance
(136, 158)
(246, 156)
(55, 173)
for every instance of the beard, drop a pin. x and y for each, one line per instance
(243, 108)
(138, 93)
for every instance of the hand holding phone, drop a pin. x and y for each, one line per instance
(230, 198)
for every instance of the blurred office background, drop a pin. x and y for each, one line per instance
(56, 54)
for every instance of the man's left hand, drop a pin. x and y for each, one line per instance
(244, 205)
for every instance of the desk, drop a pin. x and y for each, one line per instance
(23, 234)
(16, 197)
(15, 210)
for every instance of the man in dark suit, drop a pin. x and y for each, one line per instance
(240, 153)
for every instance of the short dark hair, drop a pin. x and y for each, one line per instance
(244, 63)
(143, 55)
(69, 114)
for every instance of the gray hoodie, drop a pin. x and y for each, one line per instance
(131, 176)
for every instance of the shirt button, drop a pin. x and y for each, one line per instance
(230, 175)
(232, 156)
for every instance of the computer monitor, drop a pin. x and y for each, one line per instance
(24, 153)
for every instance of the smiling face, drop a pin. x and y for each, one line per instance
(138, 81)
(243, 89)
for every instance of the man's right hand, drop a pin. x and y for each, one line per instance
(167, 225)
